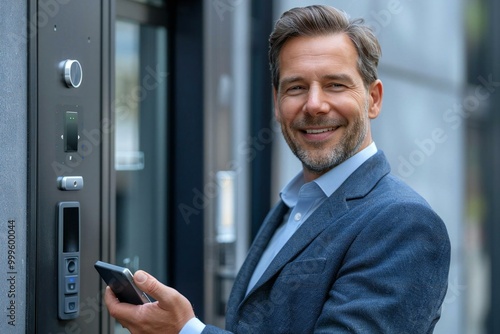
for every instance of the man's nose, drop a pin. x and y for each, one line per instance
(316, 102)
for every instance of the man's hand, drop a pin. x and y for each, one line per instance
(168, 314)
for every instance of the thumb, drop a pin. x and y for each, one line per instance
(177, 308)
(150, 285)
(167, 297)
(140, 277)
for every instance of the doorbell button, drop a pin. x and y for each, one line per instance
(73, 74)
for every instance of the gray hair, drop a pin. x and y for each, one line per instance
(320, 20)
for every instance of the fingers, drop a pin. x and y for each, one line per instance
(168, 315)
(116, 309)
(109, 297)
(169, 300)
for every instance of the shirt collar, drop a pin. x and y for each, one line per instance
(330, 181)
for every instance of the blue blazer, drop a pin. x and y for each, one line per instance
(373, 258)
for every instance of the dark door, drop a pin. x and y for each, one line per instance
(116, 120)
(69, 129)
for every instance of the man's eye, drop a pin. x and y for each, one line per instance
(337, 85)
(295, 89)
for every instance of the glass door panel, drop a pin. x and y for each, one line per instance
(157, 3)
(140, 147)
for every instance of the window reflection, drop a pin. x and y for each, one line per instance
(158, 3)
(126, 97)
(140, 142)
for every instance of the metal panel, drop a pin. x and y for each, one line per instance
(68, 30)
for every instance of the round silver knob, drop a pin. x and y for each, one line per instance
(72, 73)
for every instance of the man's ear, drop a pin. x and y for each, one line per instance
(376, 92)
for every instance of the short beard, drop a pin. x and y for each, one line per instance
(347, 147)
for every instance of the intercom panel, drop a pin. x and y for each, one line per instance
(69, 259)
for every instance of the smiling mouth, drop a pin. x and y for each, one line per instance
(316, 131)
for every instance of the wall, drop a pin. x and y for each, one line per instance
(13, 165)
(421, 127)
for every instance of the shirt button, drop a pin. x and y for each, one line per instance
(297, 217)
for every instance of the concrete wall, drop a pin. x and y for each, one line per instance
(421, 127)
(13, 165)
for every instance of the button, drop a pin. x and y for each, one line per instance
(71, 266)
(71, 284)
(71, 304)
(297, 216)
(72, 73)
(70, 183)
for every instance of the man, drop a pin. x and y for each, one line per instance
(349, 248)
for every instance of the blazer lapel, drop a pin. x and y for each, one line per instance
(357, 185)
(327, 212)
(269, 226)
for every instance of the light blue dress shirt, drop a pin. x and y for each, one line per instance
(302, 199)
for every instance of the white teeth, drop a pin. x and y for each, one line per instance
(319, 130)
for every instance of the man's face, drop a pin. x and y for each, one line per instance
(322, 104)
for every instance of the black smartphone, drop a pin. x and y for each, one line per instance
(121, 282)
